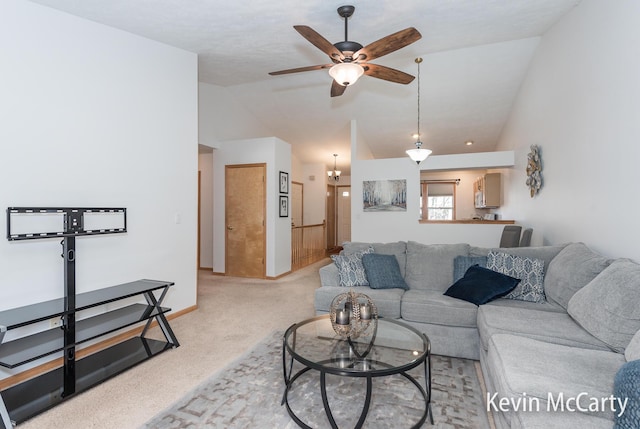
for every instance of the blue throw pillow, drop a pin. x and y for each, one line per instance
(481, 285)
(383, 271)
(462, 263)
(626, 386)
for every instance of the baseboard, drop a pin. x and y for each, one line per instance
(58, 362)
(279, 276)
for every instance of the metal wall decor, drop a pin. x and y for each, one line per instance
(534, 170)
(353, 315)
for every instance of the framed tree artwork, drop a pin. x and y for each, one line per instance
(284, 182)
(284, 206)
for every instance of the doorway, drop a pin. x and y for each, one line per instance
(245, 230)
(338, 216)
(297, 198)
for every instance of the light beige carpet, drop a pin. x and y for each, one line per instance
(233, 315)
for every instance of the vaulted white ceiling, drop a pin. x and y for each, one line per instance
(476, 53)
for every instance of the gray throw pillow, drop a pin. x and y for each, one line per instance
(609, 306)
(350, 268)
(462, 263)
(574, 267)
(383, 271)
(530, 271)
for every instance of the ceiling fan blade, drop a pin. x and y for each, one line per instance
(337, 89)
(388, 44)
(319, 42)
(301, 69)
(387, 73)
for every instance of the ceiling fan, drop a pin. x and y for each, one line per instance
(350, 60)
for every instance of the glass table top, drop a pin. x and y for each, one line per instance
(394, 347)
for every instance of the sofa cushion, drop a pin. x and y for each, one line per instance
(398, 249)
(529, 271)
(462, 263)
(383, 271)
(632, 352)
(574, 267)
(520, 366)
(350, 268)
(626, 385)
(545, 420)
(430, 266)
(549, 326)
(387, 301)
(428, 306)
(546, 253)
(609, 306)
(480, 285)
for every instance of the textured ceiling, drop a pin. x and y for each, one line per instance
(476, 54)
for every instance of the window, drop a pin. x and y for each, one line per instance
(438, 200)
(440, 207)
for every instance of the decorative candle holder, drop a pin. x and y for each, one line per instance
(353, 314)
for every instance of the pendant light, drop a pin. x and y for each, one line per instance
(335, 174)
(418, 154)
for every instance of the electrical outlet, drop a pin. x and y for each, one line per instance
(55, 323)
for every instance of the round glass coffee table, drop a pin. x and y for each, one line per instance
(394, 348)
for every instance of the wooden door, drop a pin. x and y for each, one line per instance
(344, 213)
(245, 248)
(331, 217)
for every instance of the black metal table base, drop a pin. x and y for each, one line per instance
(289, 381)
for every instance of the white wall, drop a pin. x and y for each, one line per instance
(277, 155)
(205, 166)
(581, 104)
(222, 117)
(404, 226)
(93, 116)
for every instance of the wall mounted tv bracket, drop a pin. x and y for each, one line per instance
(73, 226)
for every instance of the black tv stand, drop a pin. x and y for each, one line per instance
(25, 400)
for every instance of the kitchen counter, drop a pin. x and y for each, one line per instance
(470, 222)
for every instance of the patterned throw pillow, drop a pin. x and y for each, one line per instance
(529, 271)
(350, 268)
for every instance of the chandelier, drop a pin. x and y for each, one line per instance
(335, 174)
(418, 154)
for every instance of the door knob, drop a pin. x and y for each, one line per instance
(230, 228)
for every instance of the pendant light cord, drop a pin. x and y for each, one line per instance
(418, 60)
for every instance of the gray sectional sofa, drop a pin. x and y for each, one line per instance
(547, 364)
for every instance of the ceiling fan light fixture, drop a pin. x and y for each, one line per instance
(346, 74)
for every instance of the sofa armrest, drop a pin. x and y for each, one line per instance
(329, 275)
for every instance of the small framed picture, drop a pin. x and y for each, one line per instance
(284, 182)
(284, 206)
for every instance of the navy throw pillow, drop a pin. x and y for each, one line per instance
(481, 285)
(626, 386)
(383, 271)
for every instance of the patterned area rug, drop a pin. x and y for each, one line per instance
(247, 394)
